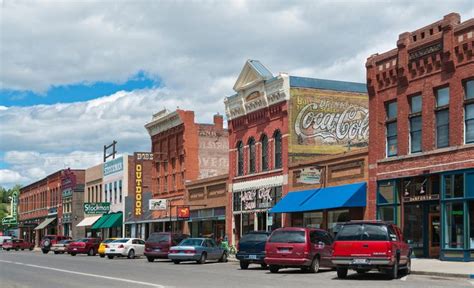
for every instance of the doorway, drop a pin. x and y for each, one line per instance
(434, 232)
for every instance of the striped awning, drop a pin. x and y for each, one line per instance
(45, 223)
(258, 183)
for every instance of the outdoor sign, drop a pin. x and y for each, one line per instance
(113, 166)
(12, 218)
(327, 122)
(157, 204)
(138, 188)
(309, 175)
(183, 212)
(96, 208)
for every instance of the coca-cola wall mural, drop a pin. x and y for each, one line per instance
(327, 122)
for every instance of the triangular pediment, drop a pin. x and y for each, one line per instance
(252, 73)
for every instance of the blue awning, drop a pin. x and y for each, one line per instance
(351, 195)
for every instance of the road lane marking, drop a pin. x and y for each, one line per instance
(404, 278)
(87, 274)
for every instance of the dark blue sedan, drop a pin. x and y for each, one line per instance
(197, 249)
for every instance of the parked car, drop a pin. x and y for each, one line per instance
(50, 240)
(197, 249)
(3, 238)
(87, 246)
(158, 244)
(305, 248)
(102, 245)
(130, 247)
(251, 249)
(17, 244)
(61, 246)
(366, 245)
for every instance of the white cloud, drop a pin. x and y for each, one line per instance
(195, 48)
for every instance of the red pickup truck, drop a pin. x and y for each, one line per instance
(17, 244)
(367, 245)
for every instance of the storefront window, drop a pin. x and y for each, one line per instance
(454, 186)
(471, 224)
(454, 226)
(387, 213)
(237, 202)
(385, 195)
(335, 217)
(313, 219)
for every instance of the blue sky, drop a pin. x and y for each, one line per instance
(74, 92)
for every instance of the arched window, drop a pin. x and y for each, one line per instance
(277, 141)
(264, 141)
(240, 158)
(252, 156)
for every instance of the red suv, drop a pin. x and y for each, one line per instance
(366, 245)
(17, 244)
(49, 240)
(87, 246)
(159, 243)
(303, 248)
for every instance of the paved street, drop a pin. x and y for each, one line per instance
(33, 269)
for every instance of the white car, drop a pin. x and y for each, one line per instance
(130, 247)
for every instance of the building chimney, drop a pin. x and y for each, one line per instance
(218, 121)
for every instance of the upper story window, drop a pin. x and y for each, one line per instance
(391, 111)
(264, 141)
(240, 159)
(415, 123)
(252, 155)
(442, 117)
(469, 111)
(278, 149)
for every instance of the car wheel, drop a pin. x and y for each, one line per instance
(274, 269)
(90, 252)
(110, 256)
(45, 251)
(314, 268)
(102, 255)
(56, 252)
(203, 258)
(73, 254)
(22, 249)
(223, 257)
(131, 254)
(393, 272)
(361, 271)
(150, 259)
(244, 265)
(176, 261)
(17, 248)
(263, 265)
(8, 249)
(31, 248)
(341, 272)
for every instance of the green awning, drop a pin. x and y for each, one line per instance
(114, 220)
(98, 224)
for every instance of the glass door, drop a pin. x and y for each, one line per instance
(434, 232)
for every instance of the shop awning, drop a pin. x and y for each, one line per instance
(45, 223)
(351, 195)
(88, 221)
(102, 220)
(114, 220)
(259, 183)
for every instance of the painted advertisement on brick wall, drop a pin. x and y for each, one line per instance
(327, 122)
(213, 152)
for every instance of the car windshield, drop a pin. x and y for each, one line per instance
(288, 237)
(158, 237)
(254, 237)
(108, 240)
(191, 242)
(365, 232)
(124, 240)
(64, 241)
(82, 240)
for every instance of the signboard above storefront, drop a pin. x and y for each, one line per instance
(158, 204)
(96, 208)
(308, 175)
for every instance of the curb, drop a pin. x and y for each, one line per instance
(442, 274)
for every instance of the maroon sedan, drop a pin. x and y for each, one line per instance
(17, 244)
(87, 246)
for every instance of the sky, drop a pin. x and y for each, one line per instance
(76, 75)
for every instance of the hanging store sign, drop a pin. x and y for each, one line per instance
(138, 189)
(96, 208)
(157, 204)
(12, 218)
(417, 198)
(309, 175)
(183, 212)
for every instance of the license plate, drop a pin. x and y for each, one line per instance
(75, 249)
(112, 250)
(284, 249)
(254, 257)
(359, 261)
(158, 249)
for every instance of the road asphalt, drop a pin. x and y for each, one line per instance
(36, 270)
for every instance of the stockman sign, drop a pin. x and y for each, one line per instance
(327, 122)
(97, 208)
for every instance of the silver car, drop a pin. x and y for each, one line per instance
(197, 249)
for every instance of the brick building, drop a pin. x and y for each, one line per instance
(72, 193)
(276, 121)
(421, 156)
(41, 207)
(183, 151)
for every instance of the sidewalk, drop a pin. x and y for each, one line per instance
(442, 268)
